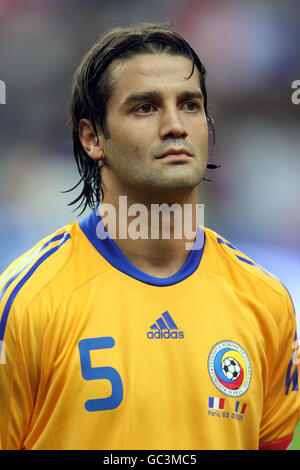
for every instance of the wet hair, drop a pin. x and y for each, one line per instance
(92, 87)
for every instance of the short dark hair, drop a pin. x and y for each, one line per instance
(92, 88)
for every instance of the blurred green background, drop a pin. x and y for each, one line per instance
(296, 441)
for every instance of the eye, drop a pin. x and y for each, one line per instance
(190, 106)
(146, 108)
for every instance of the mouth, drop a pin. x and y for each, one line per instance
(178, 155)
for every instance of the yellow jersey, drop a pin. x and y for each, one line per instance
(96, 354)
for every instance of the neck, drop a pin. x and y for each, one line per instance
(155, 234)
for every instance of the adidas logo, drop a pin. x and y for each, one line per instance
(165, 328)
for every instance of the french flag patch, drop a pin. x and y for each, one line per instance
(216, 403)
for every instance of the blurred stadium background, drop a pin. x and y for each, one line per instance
(251, 52)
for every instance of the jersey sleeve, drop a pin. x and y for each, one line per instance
(17, 388)
(24, 316)
(282, 401)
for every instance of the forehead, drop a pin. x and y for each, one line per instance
(164, 72)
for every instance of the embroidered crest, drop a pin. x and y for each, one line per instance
(229, 368)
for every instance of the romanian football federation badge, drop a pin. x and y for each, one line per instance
(229, 368)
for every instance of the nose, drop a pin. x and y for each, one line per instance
(172, 125)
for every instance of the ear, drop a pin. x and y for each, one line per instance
(91, 142)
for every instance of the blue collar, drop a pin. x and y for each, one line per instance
(112, 253)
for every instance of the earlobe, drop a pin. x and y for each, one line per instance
(95, 149)
(90, 141)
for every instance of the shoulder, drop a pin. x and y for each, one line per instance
(246, 275)
(29, 274)
(49, 272)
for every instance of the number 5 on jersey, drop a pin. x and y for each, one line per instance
(100, 373)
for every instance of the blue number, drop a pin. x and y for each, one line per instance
(100, 373)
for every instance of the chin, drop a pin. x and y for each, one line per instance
(179, 184)
(183, 181)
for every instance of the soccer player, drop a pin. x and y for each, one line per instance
(167, 340)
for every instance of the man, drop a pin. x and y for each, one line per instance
(111, 340)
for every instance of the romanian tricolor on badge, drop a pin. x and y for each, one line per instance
(240, 407)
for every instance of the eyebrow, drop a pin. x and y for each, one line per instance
(157, 96)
